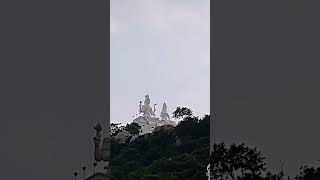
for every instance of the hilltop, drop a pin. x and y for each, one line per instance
(171, 153)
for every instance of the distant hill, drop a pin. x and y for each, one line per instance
(177, 153)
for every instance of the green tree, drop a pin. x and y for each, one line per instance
(133, 128)
(227, 162)
(115, 128)
(188, 127)
(308, 173)
(182, 112)
(151, 177)
(277, 176)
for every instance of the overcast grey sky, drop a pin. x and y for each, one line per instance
(160, 48)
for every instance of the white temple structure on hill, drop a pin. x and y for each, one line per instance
(147, 119)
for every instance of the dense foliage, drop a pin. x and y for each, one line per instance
(132, 128)
(308, 173)
(240, 162)
(179, 153)
(182, 153)
(236, 162)
(182, 112)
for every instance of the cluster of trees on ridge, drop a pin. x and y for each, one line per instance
(241, 162)
(177, 153)
(182, 153)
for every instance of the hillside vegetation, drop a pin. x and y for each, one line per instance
(176, 153)
(182, 153)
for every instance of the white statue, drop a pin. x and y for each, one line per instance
(146, 109)
(164, 114)
(209, 173)
(101, 151)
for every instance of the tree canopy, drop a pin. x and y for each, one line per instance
(182, 153)
(182, 112)
(171, 154)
